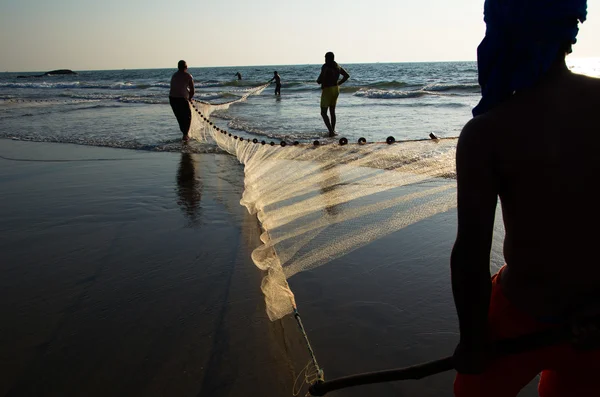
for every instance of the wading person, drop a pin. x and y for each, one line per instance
(330, 89)
(182, 90)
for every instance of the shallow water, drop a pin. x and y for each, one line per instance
(129, 108)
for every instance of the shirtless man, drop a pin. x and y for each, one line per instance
(277, 79)
(536, 150)
(182, 90)
(330, 86)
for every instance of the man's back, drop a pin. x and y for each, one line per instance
(543, 143)
(181, 85)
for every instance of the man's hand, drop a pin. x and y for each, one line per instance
(470, 360)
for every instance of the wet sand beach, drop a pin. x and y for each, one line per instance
(128, 273)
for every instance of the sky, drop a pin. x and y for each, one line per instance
(42, 35)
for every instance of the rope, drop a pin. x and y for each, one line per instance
(310, 377)
(500, 348)
(320, 373)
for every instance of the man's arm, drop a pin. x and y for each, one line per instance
(470, 260)
(345, 76)
(320, 78)
(191, 87)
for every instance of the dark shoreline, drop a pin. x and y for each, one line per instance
(133, 277)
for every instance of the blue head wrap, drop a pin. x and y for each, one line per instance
(522, 40)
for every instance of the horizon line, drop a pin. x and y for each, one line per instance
(263, 65)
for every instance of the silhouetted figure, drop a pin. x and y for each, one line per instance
(182, 91)
(277, 83)
(330, 73)
(533, 145)
(238, 75)
(189, 188)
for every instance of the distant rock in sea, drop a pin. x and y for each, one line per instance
(59, 71)
(50, 73)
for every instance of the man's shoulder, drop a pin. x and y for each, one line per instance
(182, 73)
(572, 97)
(478, 135)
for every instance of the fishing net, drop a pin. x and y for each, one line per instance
(319, 201)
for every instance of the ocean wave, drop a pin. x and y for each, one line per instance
(45, 101)
(207, 84)
(294, 84)
(388, 84)
(88, 96)
(407, 104)
(82, 99)
(451, 105)
(383, 94)
(254, 131)
(131, 98)
(42, 85)
(41, 111)
(439, 87)
(349, 88)
(86, 85)
(244, 84)
(148, 101)
(71, 97)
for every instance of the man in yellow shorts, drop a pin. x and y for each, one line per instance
(330, 86)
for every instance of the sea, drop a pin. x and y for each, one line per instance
(129, 108)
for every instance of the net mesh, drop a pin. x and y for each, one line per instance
(317, 203)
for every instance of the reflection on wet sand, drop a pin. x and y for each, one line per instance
(128, 300)
(329, 184)
(189, 188)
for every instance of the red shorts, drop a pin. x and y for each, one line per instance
(565, 372)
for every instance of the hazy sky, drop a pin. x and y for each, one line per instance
(40, 35)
